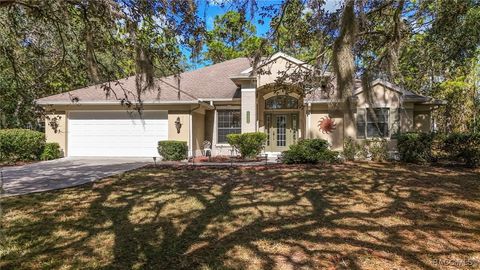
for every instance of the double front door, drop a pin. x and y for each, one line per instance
(281, 130)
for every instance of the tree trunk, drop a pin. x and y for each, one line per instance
(343, 58)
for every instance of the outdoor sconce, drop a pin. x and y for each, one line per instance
(178, 125)
(53, 122)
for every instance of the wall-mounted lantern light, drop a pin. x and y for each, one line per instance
(178, 125)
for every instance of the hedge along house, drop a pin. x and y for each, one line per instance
(209, 103)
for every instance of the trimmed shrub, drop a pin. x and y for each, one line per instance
(464, 147)
(415, 147)
(309, 151)
(248, 144)
(299, 154)
(51, 151)
(173, 150)
(21, 144)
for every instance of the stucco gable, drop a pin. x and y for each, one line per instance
(388, 85)
(275, 57)
(403, 94)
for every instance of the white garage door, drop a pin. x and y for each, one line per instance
(116, 134)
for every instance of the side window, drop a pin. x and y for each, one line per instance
(268, 124)
(229, 122)
(373, 123)
(377, 122)
(395, 123)
(361, 123)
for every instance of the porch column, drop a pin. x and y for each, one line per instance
(249, 106)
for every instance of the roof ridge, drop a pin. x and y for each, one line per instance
(213, 65)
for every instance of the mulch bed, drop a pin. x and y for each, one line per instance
(224, 159)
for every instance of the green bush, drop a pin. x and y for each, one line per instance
(378, 149)
(21, 144)
(415, 147)
(51, 151)
(363, 150)
(438, 147)
(350, 149)
(299, 154)
(464, 147)
(248, 144)
(309, 151)
(173, 150)
(422, 147)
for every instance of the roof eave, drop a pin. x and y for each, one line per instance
(47, 103)
(243, 77)
(425, 100)
(238, 80)
(323, 101)
(418, 99)
(219, 99)
(435, 102)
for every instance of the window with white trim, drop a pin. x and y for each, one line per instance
(281, 102)
(229, 122)
(372, 123)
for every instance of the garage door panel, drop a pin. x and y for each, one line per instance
(113, 115)
(116, 125)
(107, 130)
(116, 133)
(106, 142)
(119, 136)
(125, 123)
(126, 152)
(116, 144)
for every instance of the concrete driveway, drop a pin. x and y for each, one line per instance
(65, 172)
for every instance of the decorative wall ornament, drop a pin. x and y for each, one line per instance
(178, 125)
(327, 125)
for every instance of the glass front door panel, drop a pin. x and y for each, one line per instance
(281, 121)
(294, 128)
(268, 124)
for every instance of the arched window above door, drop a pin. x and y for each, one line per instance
(281, 102)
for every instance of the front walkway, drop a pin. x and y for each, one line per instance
(63, 173)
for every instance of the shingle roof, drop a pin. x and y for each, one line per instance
(211, 82)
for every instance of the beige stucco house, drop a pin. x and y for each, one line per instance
(211, 102)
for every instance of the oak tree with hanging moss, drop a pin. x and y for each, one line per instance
(426, 46)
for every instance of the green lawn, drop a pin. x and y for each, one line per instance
(352, 216)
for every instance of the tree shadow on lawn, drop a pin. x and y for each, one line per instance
(353, 216)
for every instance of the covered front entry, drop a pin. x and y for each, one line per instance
(281, 129)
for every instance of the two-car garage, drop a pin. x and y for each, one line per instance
(116, 133)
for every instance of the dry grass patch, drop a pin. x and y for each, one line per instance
(352, 216)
